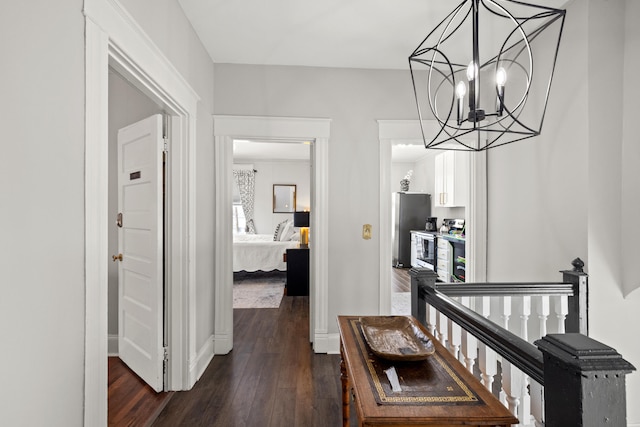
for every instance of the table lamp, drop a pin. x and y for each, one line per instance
(301, 219)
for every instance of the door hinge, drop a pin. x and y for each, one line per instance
(165, 147)
(165, 353)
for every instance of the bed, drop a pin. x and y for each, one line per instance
(259, 252)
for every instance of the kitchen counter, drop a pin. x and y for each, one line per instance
(456, 238)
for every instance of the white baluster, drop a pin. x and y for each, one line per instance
(441, 327)
(525, 312)
(483, 306)
(561, 307)
(505, 311)
(513, 385)
(469, 343)
(469, 347)
(431, 319)
(454, 337)
(537, 403)
(543, 313)
(488, 365)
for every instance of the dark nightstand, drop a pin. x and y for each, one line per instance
(298, 272)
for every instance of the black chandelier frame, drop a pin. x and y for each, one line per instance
(504, 125)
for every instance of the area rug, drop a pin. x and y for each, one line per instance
(401, 303)
(258, 295)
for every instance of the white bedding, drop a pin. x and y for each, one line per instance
(253, 252)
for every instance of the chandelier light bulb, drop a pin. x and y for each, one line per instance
(501, 77)
(461, 90)
(472, 71)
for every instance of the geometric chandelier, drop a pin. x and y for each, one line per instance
(485, 72)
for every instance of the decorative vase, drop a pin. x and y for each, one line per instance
(404, 185)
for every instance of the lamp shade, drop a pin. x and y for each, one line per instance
(301, 219)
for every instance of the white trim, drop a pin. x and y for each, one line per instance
(384, 265)
(201, 361)
(96, 239)
(114, 39)
(226, 128)
(390, 131)
(327, 343)
(223, 291)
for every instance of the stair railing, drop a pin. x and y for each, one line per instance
(527, 372)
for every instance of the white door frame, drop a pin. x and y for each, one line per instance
(228, 128)
(408, 131)
(113, 38)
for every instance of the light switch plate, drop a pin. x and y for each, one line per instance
(366, 231)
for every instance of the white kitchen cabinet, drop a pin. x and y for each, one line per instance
(443, 263)
(452, 179)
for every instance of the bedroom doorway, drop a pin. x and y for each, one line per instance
(273, 129)
(272, 180)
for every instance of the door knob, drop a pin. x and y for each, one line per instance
(116, 257)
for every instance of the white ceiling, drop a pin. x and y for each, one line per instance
(377, 34)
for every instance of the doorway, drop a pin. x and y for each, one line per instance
(409, 132)
(228, 128)
(136, 59)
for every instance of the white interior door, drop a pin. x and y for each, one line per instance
(140, 244)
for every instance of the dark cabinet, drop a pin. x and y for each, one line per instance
(297, 272)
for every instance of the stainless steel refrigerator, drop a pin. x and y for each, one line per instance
(410, 212)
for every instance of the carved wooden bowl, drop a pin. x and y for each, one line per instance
(396, 338)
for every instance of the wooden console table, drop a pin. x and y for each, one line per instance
(441, 391)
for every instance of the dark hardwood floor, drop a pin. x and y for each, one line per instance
(400, 280)
(131, 402)
(271, 378)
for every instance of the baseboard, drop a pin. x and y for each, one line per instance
(202, 360)
(222, 343)
(326, 343)
(112, 345)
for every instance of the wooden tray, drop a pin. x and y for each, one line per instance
(396, 338)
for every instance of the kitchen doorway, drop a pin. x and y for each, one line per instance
(409, 132)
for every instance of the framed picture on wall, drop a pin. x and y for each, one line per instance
(284, 198)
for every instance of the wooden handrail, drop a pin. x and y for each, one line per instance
(513, 348)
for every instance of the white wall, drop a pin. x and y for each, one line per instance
(127, 105)
(560, 193)
(42, 212)
(353, 100)
(42, 173)
(613, 183)
(279, 172)
(165, 22)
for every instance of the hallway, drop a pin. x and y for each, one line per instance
(271, 378)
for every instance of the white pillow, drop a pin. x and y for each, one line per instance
(294, 237)
(287, 231)
(277, 235)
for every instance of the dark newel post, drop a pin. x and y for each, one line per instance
(419, 277)
(584, 382)
(577, 319)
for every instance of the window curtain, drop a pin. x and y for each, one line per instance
(246, 180)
